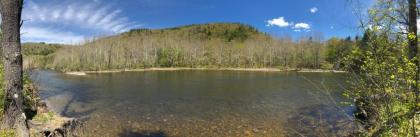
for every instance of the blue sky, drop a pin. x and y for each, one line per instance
(73, 21)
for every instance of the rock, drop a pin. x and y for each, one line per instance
(255, 130)
(42, 107)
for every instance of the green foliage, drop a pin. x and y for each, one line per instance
(327, 66)
(44, 117)
(169, 57)
(383, 84)
(39, 49)
(224, 31)
(30, 93)
(383, 79)
(7, 133)
(38, 55)
(337, 50)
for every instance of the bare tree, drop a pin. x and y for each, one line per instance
(14, 116)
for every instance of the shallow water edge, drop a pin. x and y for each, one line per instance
(82, 73)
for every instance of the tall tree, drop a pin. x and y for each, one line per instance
(412, 40)
(14, 116)
(413, 49)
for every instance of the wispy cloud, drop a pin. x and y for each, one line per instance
(313, 10)
(90, 15)
(76, 16)
(280, 22)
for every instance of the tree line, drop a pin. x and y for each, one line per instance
(221, 45)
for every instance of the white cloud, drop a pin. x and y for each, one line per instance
(313, 10)
(280, 22)
(302, 26)
(35, 34)
(418, 24)
(404, 28)
(56, 14)
(298, 27)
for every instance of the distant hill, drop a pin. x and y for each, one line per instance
(227, 32)
(213, 45)
(39, 48)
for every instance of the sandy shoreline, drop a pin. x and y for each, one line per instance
(83, 73)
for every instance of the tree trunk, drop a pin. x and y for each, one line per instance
(412, 28)
(413, 52)
(14, 116)
(412, 39)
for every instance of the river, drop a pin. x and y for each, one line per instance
(200, 103)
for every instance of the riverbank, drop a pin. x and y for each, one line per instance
(82, 73)
(47, 122)
(51, 124)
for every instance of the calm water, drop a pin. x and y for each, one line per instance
(200, 103)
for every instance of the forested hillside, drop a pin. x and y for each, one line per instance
(218, 45)
(39, 55)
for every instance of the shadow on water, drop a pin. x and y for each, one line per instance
(321, 120)
(52, 88)
(69, 112)
(132, 133)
